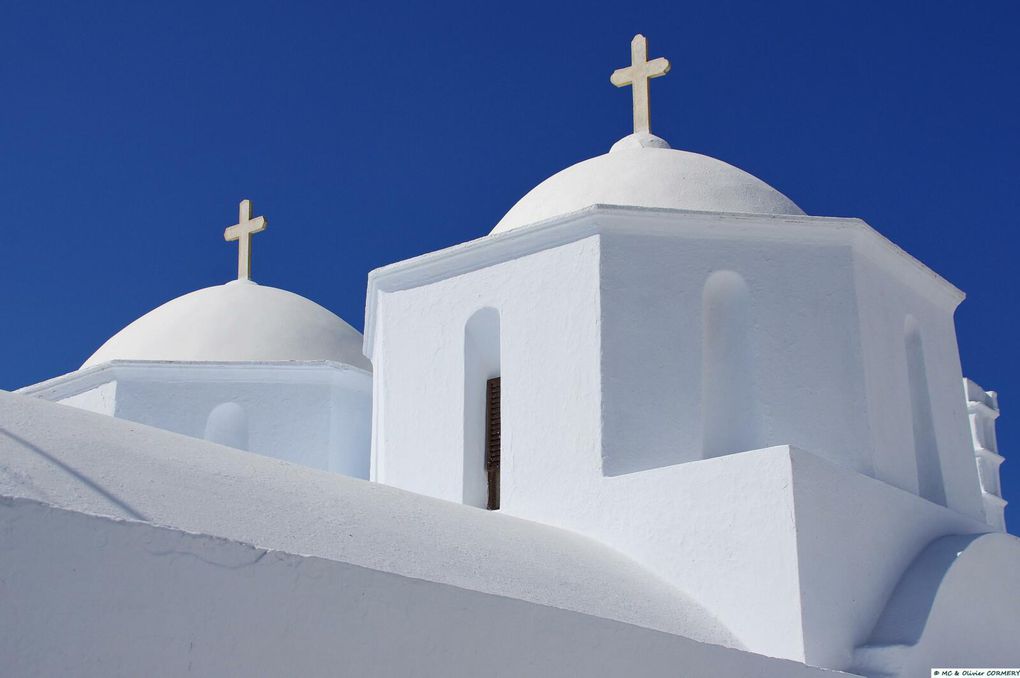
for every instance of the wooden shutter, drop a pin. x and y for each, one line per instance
(492, 441)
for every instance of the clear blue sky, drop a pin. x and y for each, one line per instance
(371, 132)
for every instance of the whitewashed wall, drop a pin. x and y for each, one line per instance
(793, 375)
(627, 323)
(79, 599)
(893, 306)
(548, 329)
(316, 414)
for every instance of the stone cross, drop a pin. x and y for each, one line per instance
(637, 76)
(242, 231)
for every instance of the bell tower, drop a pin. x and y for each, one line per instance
(694, 372)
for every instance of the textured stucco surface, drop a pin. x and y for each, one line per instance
(313, 413)
(98, 597)
(96, 464)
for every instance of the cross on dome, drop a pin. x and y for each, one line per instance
(637, 76)
(242, 231)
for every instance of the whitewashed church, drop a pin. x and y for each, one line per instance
(658, 422)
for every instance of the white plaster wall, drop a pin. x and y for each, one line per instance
(618, 319)
(79, 600)
(317, 416)
(780, 544)
(549, 363)
(804, 350)
(102, 399)
(885, 302)
(288, 420)
(721, 530)
(91, 463)
(350, 430)
(855, 538)
(795, 554)
(825, 346)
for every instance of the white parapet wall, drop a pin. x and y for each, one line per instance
(95, 597)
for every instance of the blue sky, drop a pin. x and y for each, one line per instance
(368, 133)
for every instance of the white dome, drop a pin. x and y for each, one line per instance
(239, 321)
(641, 170)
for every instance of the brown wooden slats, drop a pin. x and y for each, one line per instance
(492, 440)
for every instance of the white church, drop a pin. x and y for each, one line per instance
(658, 422)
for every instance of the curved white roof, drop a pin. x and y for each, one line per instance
(239, 321)
(100, 465)
(641, 170)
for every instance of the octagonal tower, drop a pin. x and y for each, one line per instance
(695, 372)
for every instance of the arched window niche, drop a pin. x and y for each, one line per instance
(730, 420)
(227, 424)
(481, 420)
(930, 484)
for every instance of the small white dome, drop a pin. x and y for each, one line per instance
(641, 170)
(236, 322)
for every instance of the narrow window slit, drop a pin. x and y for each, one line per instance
(492, 441)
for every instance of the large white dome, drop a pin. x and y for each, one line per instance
(239, 321)
(641, 170)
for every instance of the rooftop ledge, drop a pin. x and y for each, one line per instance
(69, 384)
(599, 219)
